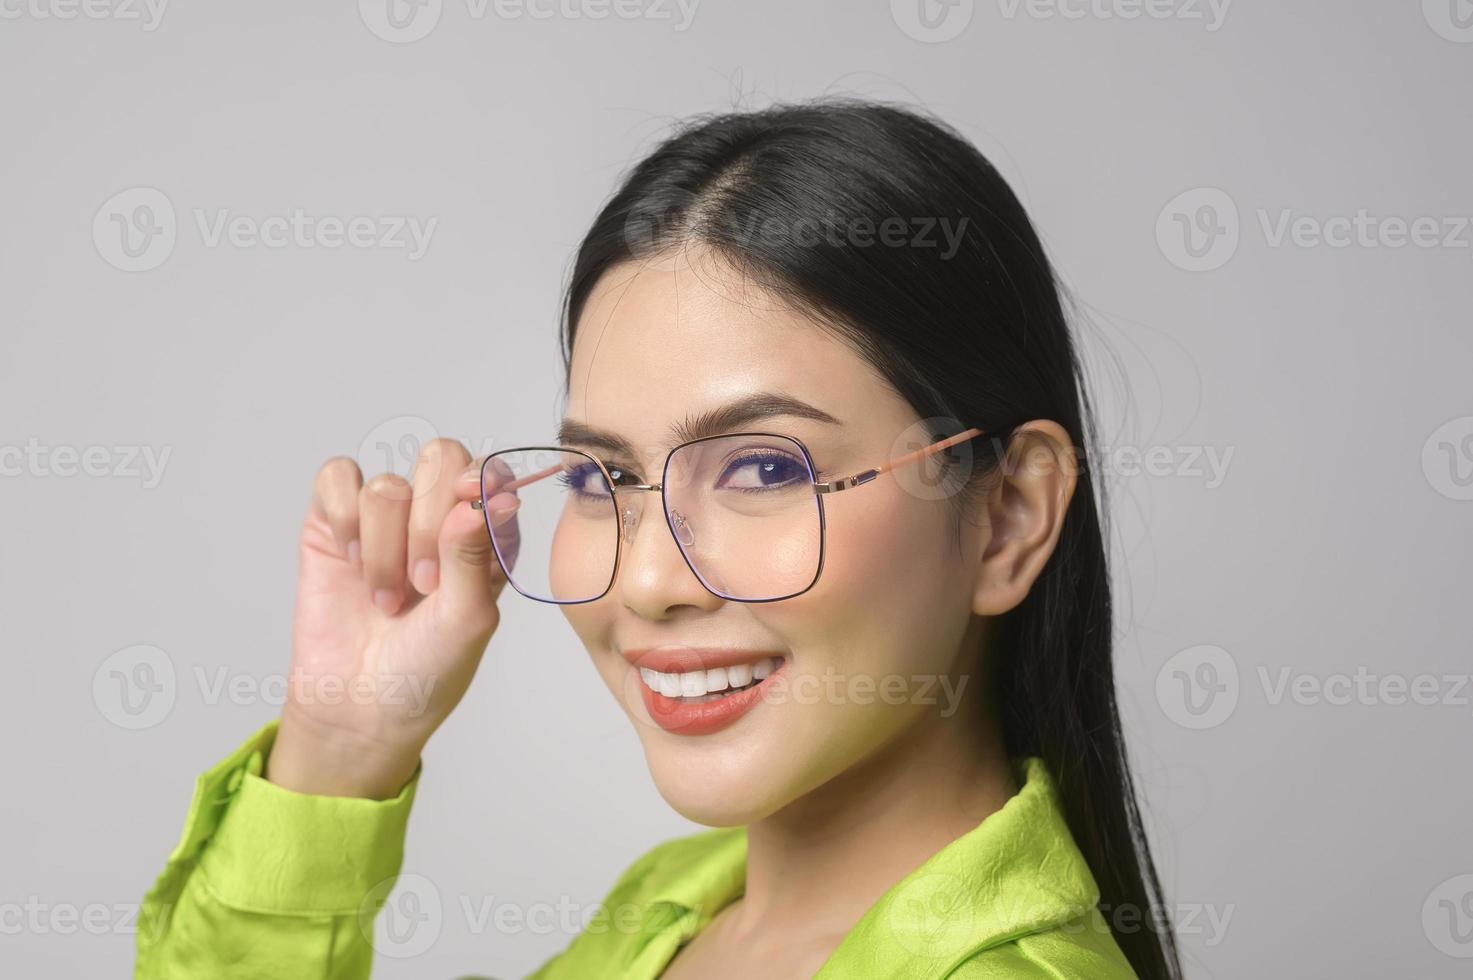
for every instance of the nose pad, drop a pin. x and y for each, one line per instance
(684, 533)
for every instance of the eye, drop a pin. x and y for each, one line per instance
(759, 472)
(621, 476)
(585, 480)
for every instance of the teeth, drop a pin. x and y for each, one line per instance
(697, 683)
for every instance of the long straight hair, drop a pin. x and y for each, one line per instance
(890, 227)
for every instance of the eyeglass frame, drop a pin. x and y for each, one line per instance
(820, 489)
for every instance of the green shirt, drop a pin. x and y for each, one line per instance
(266, 882)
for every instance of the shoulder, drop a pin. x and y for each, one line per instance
(1081, 949)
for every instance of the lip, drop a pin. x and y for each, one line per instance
(681, 718)
(682, 660)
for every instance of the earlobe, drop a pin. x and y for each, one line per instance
(1024, 514)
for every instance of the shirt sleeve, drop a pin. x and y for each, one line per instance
(266, 882)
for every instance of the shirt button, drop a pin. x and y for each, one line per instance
(233, 781)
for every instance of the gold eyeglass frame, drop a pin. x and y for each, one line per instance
(820, 488)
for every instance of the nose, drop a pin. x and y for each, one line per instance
(654, 578)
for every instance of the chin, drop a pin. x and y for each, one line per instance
(712, 810)
(704, 791)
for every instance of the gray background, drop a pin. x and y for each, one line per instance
(1332, 837)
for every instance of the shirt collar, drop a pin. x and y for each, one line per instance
(1015, 873)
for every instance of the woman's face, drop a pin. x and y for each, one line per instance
(877, 642)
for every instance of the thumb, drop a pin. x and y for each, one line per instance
(471, 579)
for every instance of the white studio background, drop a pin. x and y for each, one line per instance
(1237, 193)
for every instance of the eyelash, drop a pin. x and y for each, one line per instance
(819, 475)
(749, 458)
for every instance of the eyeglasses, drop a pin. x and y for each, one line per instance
(746, 511)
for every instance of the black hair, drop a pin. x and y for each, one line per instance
(967, 325)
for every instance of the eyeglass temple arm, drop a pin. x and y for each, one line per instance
(517, 484)
(834, 486)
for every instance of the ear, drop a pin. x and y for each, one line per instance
(1024, 514)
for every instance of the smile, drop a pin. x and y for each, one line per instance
(699, 686)
(690, 691)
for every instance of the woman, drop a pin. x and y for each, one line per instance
(819, 521)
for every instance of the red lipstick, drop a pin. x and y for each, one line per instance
(715, 710)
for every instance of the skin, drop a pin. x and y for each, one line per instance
(842, 795)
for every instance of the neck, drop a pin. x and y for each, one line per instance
(828, 856)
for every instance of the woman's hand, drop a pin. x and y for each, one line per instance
(396, 601)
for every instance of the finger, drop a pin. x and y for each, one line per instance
(434, 479)
(471, 579)
(335, 498)
(383, 516)
(468, 484)
(495, 472)
(499, 507)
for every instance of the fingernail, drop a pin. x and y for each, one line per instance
(353, 549)
(386, 599)
(471, 475)
(426, 575)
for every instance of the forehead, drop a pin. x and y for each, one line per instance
(685, 334)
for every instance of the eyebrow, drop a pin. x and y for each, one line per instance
(727, 418)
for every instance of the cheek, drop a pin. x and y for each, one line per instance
(891, 593)
(591, 623)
